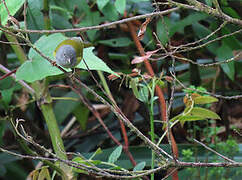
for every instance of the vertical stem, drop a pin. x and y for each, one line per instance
(47, 24)
(152, 127)
(152, 134)
(16, 48)
(52, 125)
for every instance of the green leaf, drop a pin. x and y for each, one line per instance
(204, 113)
(175, 118)
(173, 27)
(186, 118)
(101, 4)
(35, 18)
(93, 62)
(6, 96)
(13, 7)
(205, 100)
(138, 1)
(160, 83)
(229, 11)
(189, 20)
(209, 2)
(60, 18)
(80, 161)
(116, 42)
(144, 94)
(115, 154)
(35, 174)
(231, 41)
(224, 53)
(140, 166)
(44, 174)
(98, 151)
(201, 31)
(64, 107)
(38, 68)
(190, 118)
(110, 12)
(120, 6)
(133, 84)
(81, 112)
(91, 19)
(162, 29)
(118, 56)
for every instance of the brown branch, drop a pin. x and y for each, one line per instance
(97, 26)
(200, 7)
(94, 112)
(210, 149)
(214, 12)
(201, 164)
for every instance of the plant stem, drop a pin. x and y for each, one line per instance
(152, 127)
(46, 108)
(152, 131)
(16, 48)
(49, 116)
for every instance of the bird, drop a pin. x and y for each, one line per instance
(69, 52)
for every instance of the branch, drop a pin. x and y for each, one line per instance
(94, 27)
(197, 6)
(210, 149)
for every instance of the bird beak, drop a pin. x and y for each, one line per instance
(69, 60)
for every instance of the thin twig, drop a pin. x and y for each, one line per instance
(97, 26)
(210, 149)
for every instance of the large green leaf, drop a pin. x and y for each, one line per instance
(116, 42)
(35, 18)
(140, 166)
(204, 113)
(91, 19)
(38, 68)
(162, 28)
(102, 3)
(201, 31)
(173, 27)
(110, 12)
(189, 20)
(93, 62)
(81, 112)
(13, 7)
(224, 53)
(144, 94)
(44, 174)
(64, 107)
(120, 6)
(60, 18)
(115, 154)
(232, 42)
(205, 99)
(186, 118)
